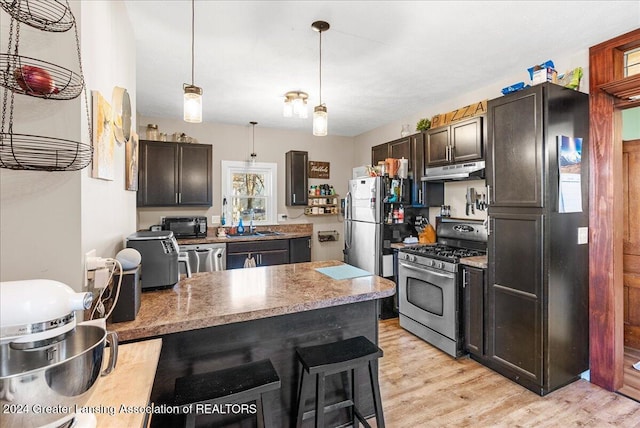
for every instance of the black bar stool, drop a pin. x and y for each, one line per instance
(337, 357)
(239, 384)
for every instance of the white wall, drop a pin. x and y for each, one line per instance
(108, 211)
(231, 142)
(49, 219)
(39, 219)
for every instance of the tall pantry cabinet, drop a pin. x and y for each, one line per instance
(536, 319)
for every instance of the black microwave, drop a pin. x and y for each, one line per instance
(186, 227)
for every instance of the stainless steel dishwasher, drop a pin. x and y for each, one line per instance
(206, 257)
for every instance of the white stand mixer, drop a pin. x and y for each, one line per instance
(48, 363)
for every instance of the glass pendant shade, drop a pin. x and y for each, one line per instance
(295, 105)
(192, 104)
(320, 121)
(288, 109)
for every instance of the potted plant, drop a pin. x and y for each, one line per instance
(423, 124)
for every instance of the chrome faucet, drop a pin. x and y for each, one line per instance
(252, 228)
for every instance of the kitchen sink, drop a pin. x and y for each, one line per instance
(268, 233)
(249, 234)
(241, 235)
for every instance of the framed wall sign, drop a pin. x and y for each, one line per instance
(318, 169)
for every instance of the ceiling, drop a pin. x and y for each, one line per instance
(381, 60)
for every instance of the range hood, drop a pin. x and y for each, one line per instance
(460, 171)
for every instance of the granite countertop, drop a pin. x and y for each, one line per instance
(477, 261)
(224, 297)
(284, 232)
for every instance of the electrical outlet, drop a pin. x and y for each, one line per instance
(583, 235)
(215, 219)
(162, 219)
(88, 254)
(282, 217)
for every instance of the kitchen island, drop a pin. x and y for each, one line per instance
(220, 319)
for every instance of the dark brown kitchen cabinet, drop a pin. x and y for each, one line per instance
(174, 174)
(379, 153)
(265, 253)
(459, 142)
(423, 193)
(523, 159)
(514, 309)
(300, 250)
(537, 309)
(396, 149)
(473, 286)
(296, 176)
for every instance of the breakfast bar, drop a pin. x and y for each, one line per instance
(222, 319)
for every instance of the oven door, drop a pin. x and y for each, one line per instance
(428, 297)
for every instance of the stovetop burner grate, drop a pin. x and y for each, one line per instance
(443, 252)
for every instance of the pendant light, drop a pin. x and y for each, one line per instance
(192, 93)
(253, 156)
(320, 119)
(295, 104)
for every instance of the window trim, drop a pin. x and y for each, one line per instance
(270, 169)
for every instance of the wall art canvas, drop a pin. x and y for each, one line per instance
(131, 160)
(103, 141)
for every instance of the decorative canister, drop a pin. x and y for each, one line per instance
(152, 132)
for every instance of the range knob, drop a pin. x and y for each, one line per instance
(414, 258)
(440, 265)
(429, 262)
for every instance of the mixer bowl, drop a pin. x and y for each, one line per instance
(43, 385)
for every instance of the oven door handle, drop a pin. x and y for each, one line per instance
(424, 269)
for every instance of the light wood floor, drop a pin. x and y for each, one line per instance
(631, 386)
(424, 387)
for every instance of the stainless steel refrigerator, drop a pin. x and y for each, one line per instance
(363, 227)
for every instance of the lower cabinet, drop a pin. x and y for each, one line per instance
(265, 253)
(473, 286)
(300, 250)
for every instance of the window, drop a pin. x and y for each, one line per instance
(632, 62)
(250, 190)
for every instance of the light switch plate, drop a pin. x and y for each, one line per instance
(583, 235)
(215, 219)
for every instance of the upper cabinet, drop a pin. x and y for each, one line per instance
(396, 149)
(175, 174)
(297, 177)
(458, 142)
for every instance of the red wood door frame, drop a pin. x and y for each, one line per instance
(606, 213)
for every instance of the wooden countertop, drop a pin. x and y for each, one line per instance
(224, 297)
(129, 384)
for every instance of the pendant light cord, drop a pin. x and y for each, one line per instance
(193, 14)
(320, 67)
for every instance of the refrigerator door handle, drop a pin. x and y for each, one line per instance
(347, 224)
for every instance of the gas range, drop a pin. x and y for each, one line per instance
(443, 257)
(456, 240)
(429, 286)
(446, 253)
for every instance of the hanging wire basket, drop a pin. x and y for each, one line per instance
(38, 78)
(49, 15)
(41, 79)
(38, 153)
